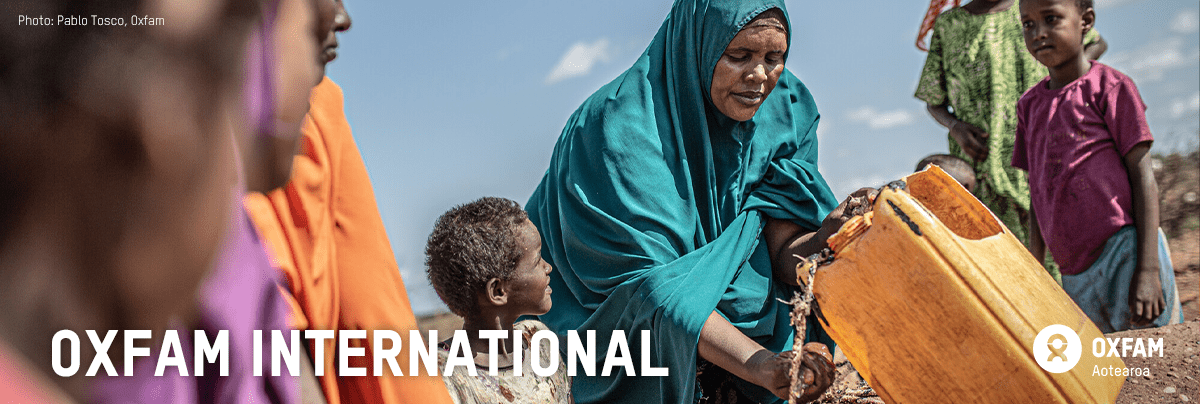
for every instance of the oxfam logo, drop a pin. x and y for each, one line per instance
(1057, 348)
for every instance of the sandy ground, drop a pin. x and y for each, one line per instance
(1172, 378)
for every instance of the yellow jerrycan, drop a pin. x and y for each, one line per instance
(934, 301)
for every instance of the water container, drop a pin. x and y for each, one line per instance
(937, 302)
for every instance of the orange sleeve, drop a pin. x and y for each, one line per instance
(335, 253)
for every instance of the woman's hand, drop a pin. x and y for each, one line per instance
(857, 203)
(818, 371)
(971, 138)
(773, 371)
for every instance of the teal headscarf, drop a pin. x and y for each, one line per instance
(652, 209)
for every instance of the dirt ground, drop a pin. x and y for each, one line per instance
(1172, 378)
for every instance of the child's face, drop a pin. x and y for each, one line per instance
(529, 287)
(1054, 30)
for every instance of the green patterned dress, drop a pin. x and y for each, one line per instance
(979, 66)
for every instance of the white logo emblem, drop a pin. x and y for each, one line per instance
(1057, 348)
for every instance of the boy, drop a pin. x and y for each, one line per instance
(1083, 138)
(484, 260)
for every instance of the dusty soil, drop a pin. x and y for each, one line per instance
(1172, 377)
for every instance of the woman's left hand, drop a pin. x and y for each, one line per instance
(856, 204)
(818, 371)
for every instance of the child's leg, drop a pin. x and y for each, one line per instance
(1172, 313)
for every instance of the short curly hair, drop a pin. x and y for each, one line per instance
(471, 244)
(956, 167)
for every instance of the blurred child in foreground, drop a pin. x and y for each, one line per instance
(485, 261)
(115, 174)
(1082, 136)
(242, 292)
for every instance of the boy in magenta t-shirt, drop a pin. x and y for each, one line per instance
(1083, 138)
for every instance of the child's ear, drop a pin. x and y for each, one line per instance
(496, 292)
(1089, 19)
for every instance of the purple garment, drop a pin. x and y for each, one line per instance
(241, 295)
(1072, 141)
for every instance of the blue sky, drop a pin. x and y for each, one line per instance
(451, 105)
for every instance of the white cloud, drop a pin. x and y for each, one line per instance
(579, 60)
(1185, 106)
(1185, 22)
(882, 119)
(1150, 62)
(507, 51)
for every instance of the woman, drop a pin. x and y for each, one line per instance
(673, 191)
(325, 234)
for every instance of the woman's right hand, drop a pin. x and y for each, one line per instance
(971, 138)
(773, 371)
(859, 202)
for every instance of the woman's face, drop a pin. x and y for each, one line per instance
(305, 41)
(332, 18)
(749, 68)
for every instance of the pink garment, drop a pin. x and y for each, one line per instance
(1072, 141)
(240, 295)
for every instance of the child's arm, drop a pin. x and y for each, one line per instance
(971, 138)
(1093, 50)
(1145, 292)
(1037, 245)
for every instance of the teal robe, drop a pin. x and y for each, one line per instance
(653, 207)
